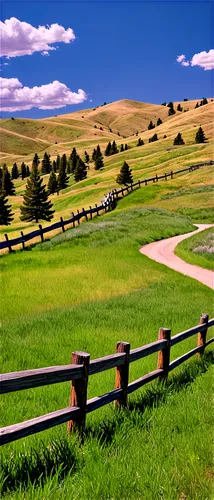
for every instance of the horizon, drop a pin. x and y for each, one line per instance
(88, 53)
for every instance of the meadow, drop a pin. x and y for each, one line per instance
(85, 290)
(90, 287)
(198, 249)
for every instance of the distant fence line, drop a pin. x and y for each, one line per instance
(106, 204)
(81, 368)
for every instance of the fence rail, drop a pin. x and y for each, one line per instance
(106, 204)
(81, 368)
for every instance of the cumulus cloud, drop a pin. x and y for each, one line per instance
(181, 58)
(19, 38)
(16, 97)
(203, 59)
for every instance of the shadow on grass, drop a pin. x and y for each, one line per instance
(63, 457)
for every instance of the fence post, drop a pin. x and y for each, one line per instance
(171, 174)
(86, 217)
(78, 396)
(78, 220)
(90, 213)
(202, 335)
(145, 182)
(8, 241)
(62, 223)
(165, 177)
(164, 354)
(139, 184)
(122, 374)
(23, 241)
(41, 233)
(156, 177)
(72, 213)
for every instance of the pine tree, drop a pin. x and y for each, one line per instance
(99, 162)
(36, 205)
(114, 149)
(94, 155)
(125, 175)
(140, 142)
(125, 147)
(121, 148)
(15, 171)
(58, 159)
(54, 166)
(197, 105)
(36, 160)
(62, 177)
(87, 158)
(73, 159)
(179, 108)
(52, 183)
(178, 141)
(153, 138)
(6, 216)
(159, 121)
(46, 164)
(80, 171)
(27, 171)
(23, 170)
(108, 150)
(151, 125)
(200, 136)
(171, 108)
(6, 185)
(204, 101)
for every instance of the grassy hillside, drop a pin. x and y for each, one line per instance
(85, 290)
(198, 249)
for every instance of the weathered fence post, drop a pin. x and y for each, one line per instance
(171, 174)
(8, 241)
(86, 217)
(156, 177)
(97, 208)
(202, 335)
(72, 213)
(78, 396)
(78, 220)
(41, 233)
(165, 177)
(122, 374)
(139, 184)
(164, 354)
(62, 224)
(90, 212)
(145, 182)
(23, 241)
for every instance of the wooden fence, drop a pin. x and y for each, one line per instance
(105, 205)
(81, 368)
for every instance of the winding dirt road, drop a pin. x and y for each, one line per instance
(163, 252)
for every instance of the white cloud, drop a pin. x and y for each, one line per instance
(181, 58)
(204, 59)
(15, 97)
(20, 38)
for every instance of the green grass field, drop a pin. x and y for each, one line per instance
(85, 290)
(198, 249)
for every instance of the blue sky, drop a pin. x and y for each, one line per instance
(121, 50)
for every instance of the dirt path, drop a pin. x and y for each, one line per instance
(163, 252)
